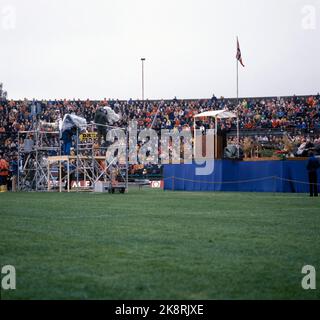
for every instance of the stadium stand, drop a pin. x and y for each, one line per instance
(269, 126)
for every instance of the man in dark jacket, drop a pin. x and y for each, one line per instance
(67, 141)
(101, 118)
(312, 167)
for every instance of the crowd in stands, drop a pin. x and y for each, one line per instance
(301, 113)
(298, 115)
(272, 145)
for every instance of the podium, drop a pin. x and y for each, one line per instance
(218, 145)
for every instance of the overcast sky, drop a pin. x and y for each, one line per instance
(92, 49)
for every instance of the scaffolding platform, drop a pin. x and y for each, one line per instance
(42, 167)
(95, 169)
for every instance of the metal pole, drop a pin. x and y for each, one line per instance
(48, 187)
(77, 159)
(216, 139)
(238, 105)
(237, 82)
(195, 138)
(142, 66)
(19, 159)
(94, 177)
(142, 81)
(60, 176)
(127, 162)
(238, 135)
(68, 175)
(36, 164)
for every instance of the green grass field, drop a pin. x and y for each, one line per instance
(151, 244)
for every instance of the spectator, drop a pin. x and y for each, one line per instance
(267, 117)
(4, 172)
(312, 167)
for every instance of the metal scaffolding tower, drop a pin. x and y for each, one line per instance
(35, 147)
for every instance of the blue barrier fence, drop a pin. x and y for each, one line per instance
(261, 176)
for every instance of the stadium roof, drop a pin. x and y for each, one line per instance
(220, 114)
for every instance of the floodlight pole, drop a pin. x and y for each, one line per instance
(142, 67)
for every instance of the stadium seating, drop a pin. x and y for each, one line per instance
(263, 121)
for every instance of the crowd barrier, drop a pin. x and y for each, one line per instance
(261, 176)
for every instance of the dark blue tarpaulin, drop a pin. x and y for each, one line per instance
(228, 175)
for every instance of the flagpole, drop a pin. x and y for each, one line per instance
(238, 131)
(237, 81)
(237, 77)
(238, 135)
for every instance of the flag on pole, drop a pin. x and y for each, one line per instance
(239, 57)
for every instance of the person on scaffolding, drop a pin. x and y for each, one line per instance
(105, 116)
(69, 127)
(101, 119)
(67, 136)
